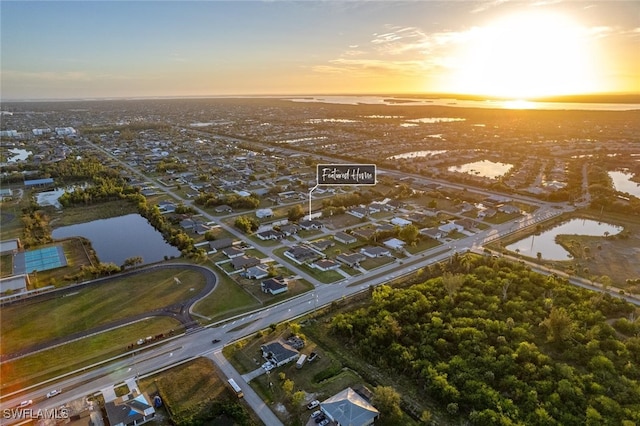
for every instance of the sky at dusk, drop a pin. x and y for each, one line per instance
(93, 49)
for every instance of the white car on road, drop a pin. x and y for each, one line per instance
(53, 393)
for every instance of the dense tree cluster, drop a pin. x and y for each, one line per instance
(102, 189)
(498, 344)
(348, 200)
(236, 201)
(36, 229)
(247, 224)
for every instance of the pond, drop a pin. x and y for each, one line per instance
(415, 154)
(120, 238)
(20, 155)
(622, 182)
(545, 243)
(484, 168)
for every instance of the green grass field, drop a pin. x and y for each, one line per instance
(53, 362)
(24, 324)
(228, 299)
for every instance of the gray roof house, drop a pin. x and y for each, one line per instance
(371, 251)
(244, 262)
(351, 260)
(220, 244)
(135, 410)
(274, 286)
(344, 238)
(279, 353)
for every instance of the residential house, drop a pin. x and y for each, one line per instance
(301, 254)
(486, 213)
(167, 206)
(375, 208)
(466, 207)
(509, 209)
(274, 286)
(308, 225)
(223, 243)
(358, 212)
(326, 265)
(133, 409)
(349, 408)
(395, 204)
(279, 353)
(450, 227)
(322, 245)
(344, 238)
(352, 260)
(201, 228)
(264, 213)
(270, 234)
(467, 224)
(256, 272)
(289, 229)
(394, 244)
(434, 233)
(232, 252)
(400, 221)
(373, 252)
(244, 262)
(364, 233)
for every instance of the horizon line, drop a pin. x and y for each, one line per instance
(577, 98)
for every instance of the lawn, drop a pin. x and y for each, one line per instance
(44, 365)
(422, 245)
(341, 221)
(199, 384)
(228, 299)
(370, 263)
(81, 214)
(6, 265)
(26, 324)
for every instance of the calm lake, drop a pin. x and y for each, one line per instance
(119, 238)
(622, 182)
(545, 242)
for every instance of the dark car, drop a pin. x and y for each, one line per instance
(215, 341)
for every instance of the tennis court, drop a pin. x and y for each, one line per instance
(39, 260)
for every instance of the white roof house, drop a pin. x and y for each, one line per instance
(400, 221)
(262, 213)
(349, 408)
(394, 244)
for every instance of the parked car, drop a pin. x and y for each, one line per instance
(268, 366)
(313, 404)
(53, 393)
(320, 418)
(316, 413)
(312, 356)
(325, 422)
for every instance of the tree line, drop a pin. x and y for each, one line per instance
(495, 343)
